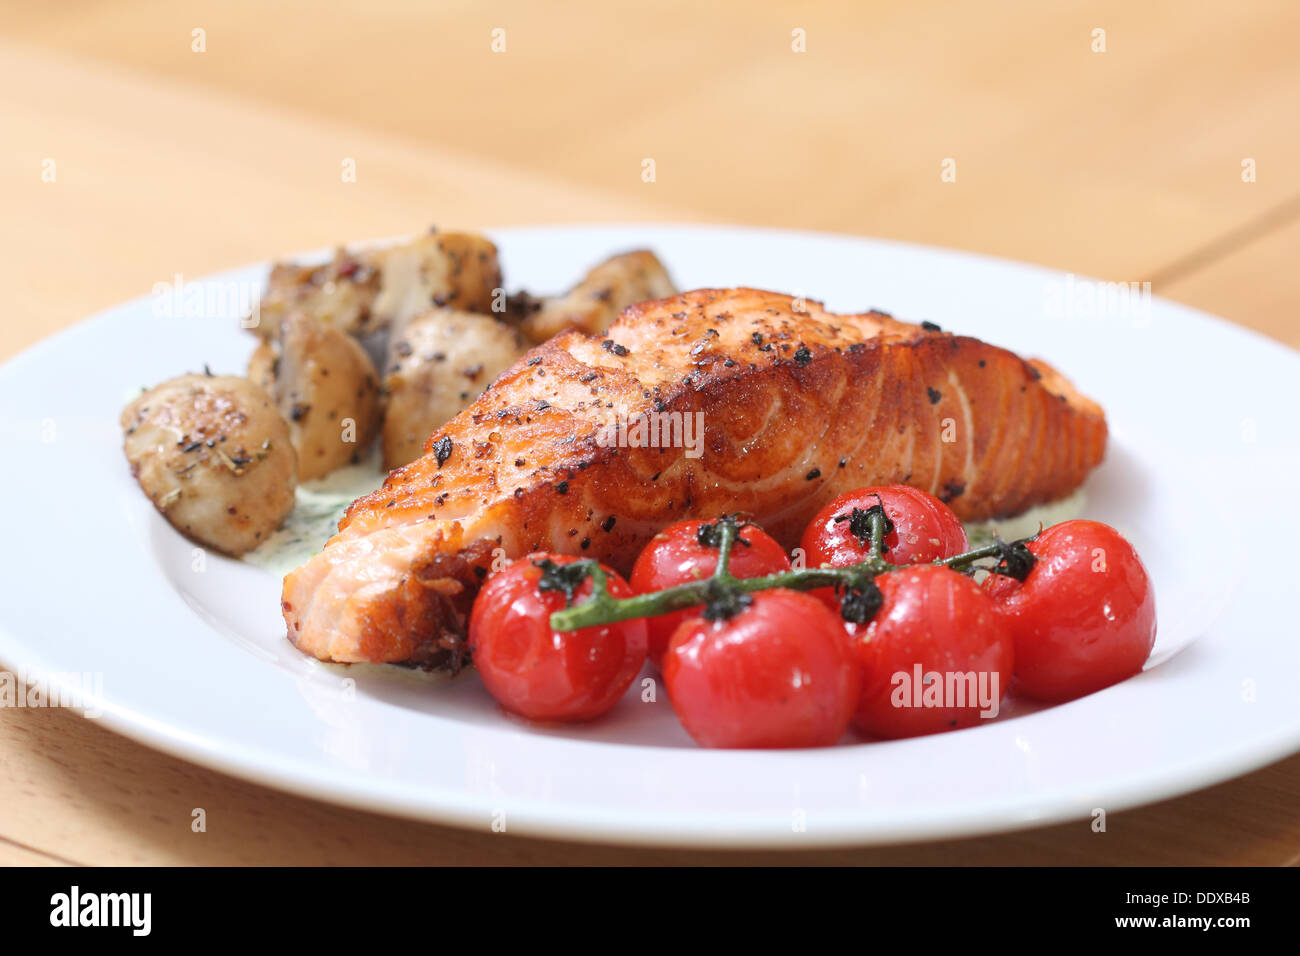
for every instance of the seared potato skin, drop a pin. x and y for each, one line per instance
(442, 269)
(213, 455)
(367, 291)
(594, 303)
(442, 362)
(325, 387)
(262, 365)
(340, 293)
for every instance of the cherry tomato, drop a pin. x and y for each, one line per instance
(936, 655)
(541, 673)
(778, 674)
(925, 529)
(1084, 618)
(676, 556)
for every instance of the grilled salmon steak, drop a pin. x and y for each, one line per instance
(713, 401)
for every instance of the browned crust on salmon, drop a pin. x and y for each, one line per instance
(798, 405)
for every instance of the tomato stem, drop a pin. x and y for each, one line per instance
(959, 562)
(602, 608)
(727, 532)
(878, 522)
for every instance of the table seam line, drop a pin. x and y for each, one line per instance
(45, 853)
(1225, 244)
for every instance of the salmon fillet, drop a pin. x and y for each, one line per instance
(797, 405)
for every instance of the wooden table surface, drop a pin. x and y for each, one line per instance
(1169, 156)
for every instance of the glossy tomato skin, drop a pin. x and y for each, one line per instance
(1084, 618)
(941, 622)
(925, 529)
(778, 674)
(675, 556)
(540, 673)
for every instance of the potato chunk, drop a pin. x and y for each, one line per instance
(443, 269)
(368, 290)
(214, 456)
(441, 363)
(595, 302)
(327, 389)
(340, 293)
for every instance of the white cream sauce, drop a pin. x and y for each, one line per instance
(1024, 524)
(315, 516)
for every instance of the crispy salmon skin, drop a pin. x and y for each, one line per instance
(762, 403)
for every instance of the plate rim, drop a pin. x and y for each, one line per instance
(540, 820)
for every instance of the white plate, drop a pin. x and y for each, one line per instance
(1200, 474)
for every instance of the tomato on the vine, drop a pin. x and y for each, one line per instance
(677, 555)
(538, 672)
(779, 673)
(1085, 616)
(922, 529)
(936, 656)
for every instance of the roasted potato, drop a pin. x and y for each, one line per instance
(214, 456)
(451, 269)
(442, 361)
(366, 291)
(327, 389)
(596, 301)
(340, 293)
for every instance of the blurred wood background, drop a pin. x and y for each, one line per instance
(1134, 142)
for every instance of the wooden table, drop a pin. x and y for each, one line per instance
(129, 155)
